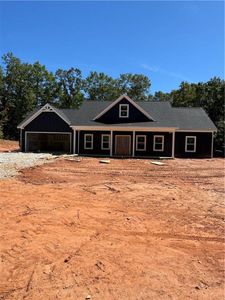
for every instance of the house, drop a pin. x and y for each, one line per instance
(123, 128)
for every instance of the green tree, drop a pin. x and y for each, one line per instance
(70, 84)
(101, 87)
(44, 85)
(160, 96)
(2, 104)
(19, 97)
(136, 86)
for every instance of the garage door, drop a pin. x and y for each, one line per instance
(48, 142)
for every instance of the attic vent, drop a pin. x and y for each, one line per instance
(47, 108)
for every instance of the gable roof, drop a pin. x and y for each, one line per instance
(46, 108)
(117, 101)
(162, 113)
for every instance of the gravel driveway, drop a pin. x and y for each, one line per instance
(11, 163)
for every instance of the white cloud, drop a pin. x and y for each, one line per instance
(156, 69)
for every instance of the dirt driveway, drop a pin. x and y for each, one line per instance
(126, 230)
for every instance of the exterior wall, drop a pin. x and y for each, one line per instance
(112, 116)
(168, 139)
(149, 143)
(46, 122)
(203, 144)
(96, 143)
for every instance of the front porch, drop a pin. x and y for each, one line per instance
(124, 143)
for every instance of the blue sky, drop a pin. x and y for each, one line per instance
(168, 41)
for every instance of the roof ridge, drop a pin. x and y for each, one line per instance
(185, 107)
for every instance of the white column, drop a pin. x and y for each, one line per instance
(74, 141)
(111, 143)
(21, 139)
(133, 150)
(78, 142)
(25, 142)
(212, 145)
(173, 143)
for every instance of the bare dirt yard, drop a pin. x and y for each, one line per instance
(124, 230)
(8, 146)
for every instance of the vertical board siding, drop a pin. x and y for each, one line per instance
(47, 122)
(97, 136)
(203, 144)
(112, 115)
(168, 138)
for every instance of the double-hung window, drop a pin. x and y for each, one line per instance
(105, 142)
(141, 142)
(88, 141)
(190, 143)
(158, 143)
(124, 111)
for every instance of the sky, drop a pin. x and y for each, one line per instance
(169, 41)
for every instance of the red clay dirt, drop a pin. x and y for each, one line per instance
(124, 230)
(8, 146)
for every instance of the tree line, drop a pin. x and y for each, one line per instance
(25, 86)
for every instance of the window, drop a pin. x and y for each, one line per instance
(158, 143)
(190, 143)
(124, 110)
(141, 142)
(105, 142)
(88, 141)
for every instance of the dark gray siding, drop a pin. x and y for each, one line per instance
(149, 143)
(47, 122)
(112, 116)
(203, 144)
(168, 138)
(97, 135)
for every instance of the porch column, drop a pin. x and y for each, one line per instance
(133, 149)
(212, 145)
(173, 143)
(21, 141)
(74, 141)
(111, 143)
(78, 143)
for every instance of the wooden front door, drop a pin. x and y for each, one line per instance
(123, 145)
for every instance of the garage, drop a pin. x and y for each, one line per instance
(48, 142)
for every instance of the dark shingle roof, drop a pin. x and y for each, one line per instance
(163, 114)
(193, 118)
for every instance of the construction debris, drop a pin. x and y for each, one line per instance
(158, 163)
(105, 161)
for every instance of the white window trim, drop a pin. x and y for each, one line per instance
(127, 106)
(102, 143)
(186, 138)
(85, 141)
(142, 136)
(154, 143)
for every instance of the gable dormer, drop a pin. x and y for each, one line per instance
(123, 110)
